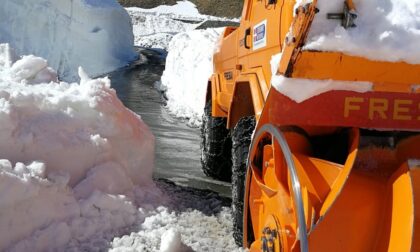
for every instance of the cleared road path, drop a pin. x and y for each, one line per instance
(177, 145)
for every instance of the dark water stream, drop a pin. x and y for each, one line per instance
(177, 145)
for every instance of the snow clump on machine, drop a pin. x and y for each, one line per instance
(386, 30)
(189, 65)
(300, 90)
(71, 157)
(96, 35)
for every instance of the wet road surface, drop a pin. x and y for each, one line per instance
(177, 145)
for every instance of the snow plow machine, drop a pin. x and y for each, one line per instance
(338, 170)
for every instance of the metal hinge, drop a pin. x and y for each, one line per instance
(347, 18)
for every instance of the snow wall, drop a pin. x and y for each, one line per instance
(96, 35)
(189, 66)
(72, 157)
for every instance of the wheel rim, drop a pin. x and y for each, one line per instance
(284, 202)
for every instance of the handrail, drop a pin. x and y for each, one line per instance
(279, 137)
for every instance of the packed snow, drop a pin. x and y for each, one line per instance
(386, 30)
(192, 220)
(170, 241)
(82, 163)
(155, 28)
(70, 152)
(189, 65)
(300, 90)
(181, 10)
(96, 35)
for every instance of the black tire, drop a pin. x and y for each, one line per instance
(241, 140)
(216, 146)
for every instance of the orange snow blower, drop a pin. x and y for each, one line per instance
(338, 171)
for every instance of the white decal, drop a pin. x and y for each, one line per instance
(260, 35)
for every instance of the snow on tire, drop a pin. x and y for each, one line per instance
(216, 146)
(241, 139)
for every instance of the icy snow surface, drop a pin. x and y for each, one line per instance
(300, 90)
(96, 35)
(386, 30)
(188, 67)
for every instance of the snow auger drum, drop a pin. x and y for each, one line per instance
(334, 161)
(346, 187)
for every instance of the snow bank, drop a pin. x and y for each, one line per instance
(96, 35)
(182, 9)
(188, 67)
(71, 157)
(155, 30)
(300, 90)
(386, 30)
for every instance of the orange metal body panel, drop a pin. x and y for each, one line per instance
(373, 110)
(415, 178)
(235, 63)
(371, 214)
(349, 206)
(338, 66)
